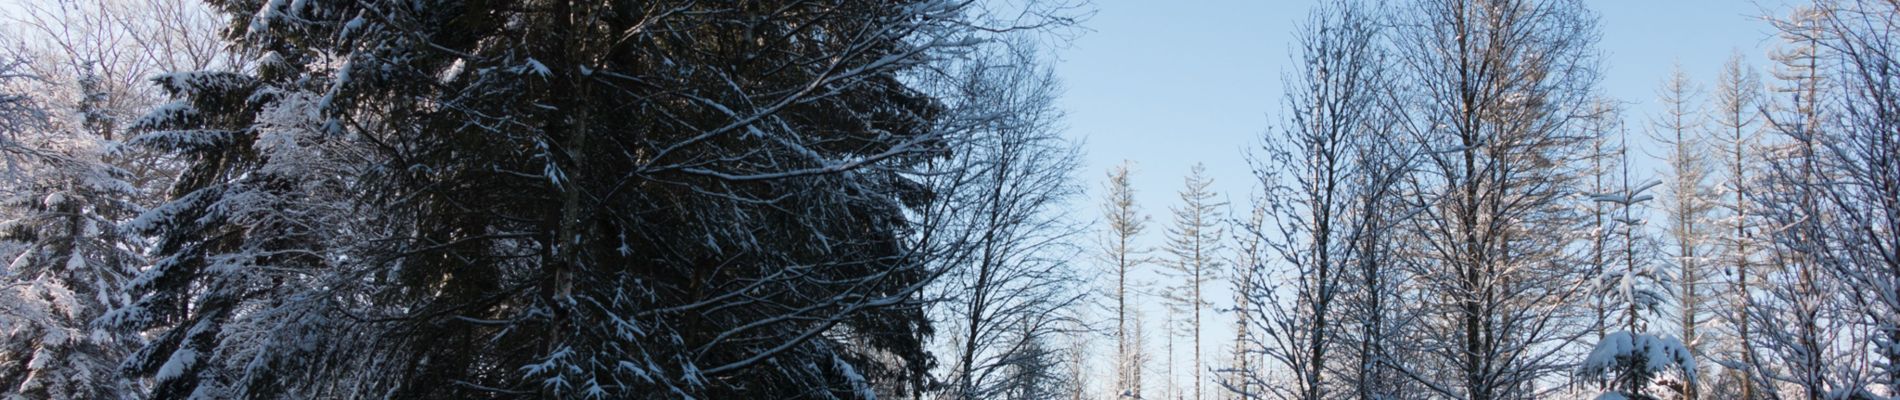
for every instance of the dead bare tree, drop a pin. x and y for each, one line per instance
(1125, 224)
(1194, 245)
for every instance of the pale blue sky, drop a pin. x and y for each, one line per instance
(1171, 83)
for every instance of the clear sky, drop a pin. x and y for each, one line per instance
(1171, 83)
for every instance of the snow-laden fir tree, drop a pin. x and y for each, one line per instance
(1601, 175)
(259, 228)
(71, 186)
(1631, 361)
(115, 46)
(60, 213)
(1636, 283)
(1630, 365)
(557, 199)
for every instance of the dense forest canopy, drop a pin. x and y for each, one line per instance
(853, 199)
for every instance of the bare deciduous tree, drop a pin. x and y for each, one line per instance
(1497, 92)
(1017, 292)
(1322, 168)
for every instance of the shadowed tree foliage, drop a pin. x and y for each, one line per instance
(556, 198)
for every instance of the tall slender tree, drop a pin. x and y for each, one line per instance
(1634, 362)
(1737, 110)
(1194, 246)
(1688, 204)
(1603, 174)
(1139, 356)
(1240, 377)
(1124, 226)
(1635, 282)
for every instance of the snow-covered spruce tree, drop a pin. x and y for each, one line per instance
(1124, 223)
(1496, 94)
(1633, 283)
(1631, 362)
(1601, 175)
(1313, 167)
(1016, 290)
(117, 45)
(260, 224)
(1629, 365)
(554, 198)
(71, 185)
(1194, 246)
(66, 256)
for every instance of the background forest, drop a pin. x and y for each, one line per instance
(849, 199)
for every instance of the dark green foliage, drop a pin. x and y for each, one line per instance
(568, 199)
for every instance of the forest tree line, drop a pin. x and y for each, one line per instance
(874, 199)
(1452, 211)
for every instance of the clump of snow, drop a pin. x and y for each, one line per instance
(1854, 394)
(175, 367)
(1656, 355)
(1636, 358)
(54, 200)
(538, 68)
(858, 384)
